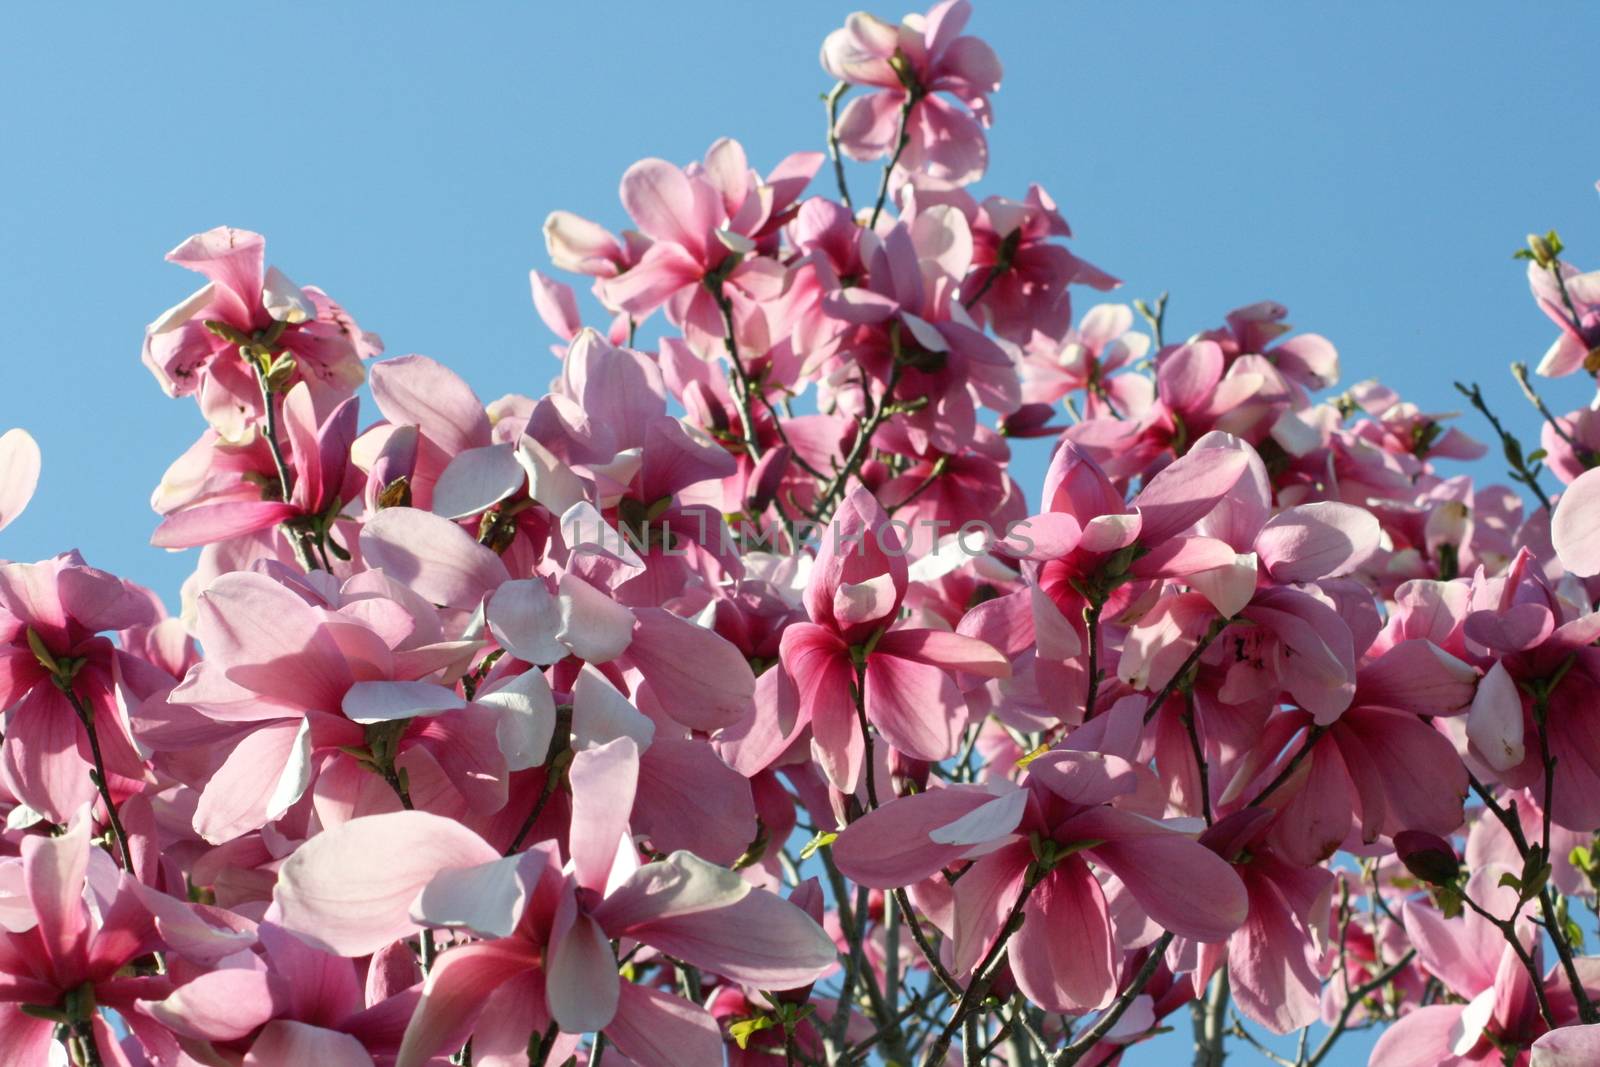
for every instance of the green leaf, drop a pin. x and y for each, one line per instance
(744, 1029)
(822, 840)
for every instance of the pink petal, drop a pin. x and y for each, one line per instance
(1422, 1039)
(893, 846)
(1318, 540)
(19, 473)
(557, 305)
(688, 798)
(1186, 491)
(416, 391)
(1084, 778)
(950, 651)
(385, 701)
(53, 870)
(603, 780)
(1575, 526)
(583, 989)
(820, 665)
(460, 982)
(661, 200)
(1184, 886)
(486, 900)
(1569, 1046)
(759, 939)
(656, 1029)
(525, 619)
(271, 641)
(223, 1005)
(984, 898)
(698, 676)
(349, 890)
(477, 479)
(917, 706)
(593, 626)
(1063, 958)
(433, 556)
(1495, 724)
(264, 773)
(284, 1041)
(42, 766)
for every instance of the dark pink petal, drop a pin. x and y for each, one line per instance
(892, 846)
(1270, 961)
(917, 706)
(984, 897)
(951, 651)
(656, 1029)
(1184, 886)
(1063, 958)
(688, 798)
(457, 989)
(1186, 491)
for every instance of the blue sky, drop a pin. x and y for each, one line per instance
(1370, 166)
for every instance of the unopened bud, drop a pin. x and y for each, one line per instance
(1542, 253)
(1427, 856)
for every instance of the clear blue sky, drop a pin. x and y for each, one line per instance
(1371, 166)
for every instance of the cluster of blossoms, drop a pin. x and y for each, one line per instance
(648, 722)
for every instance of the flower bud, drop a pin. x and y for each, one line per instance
(1427, 856)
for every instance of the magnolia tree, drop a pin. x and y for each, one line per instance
(646, 721)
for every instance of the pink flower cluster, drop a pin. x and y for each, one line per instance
(730, 701)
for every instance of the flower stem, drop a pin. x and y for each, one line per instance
(833, 98)
(98, 774)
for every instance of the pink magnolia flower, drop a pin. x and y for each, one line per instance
(1090, 548)
(1040, 840)
(924, 56)
(257, 305)
(548, 955)
(1274, 958)
(853, 601)
(1019, 277)
(1471, 958)
(220, 490)
(53, 616)
(309, 685)
(1574, 345)
(293, 1003)
(705, 225)
(910, 329)
(66, 946)
(1087, 361)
